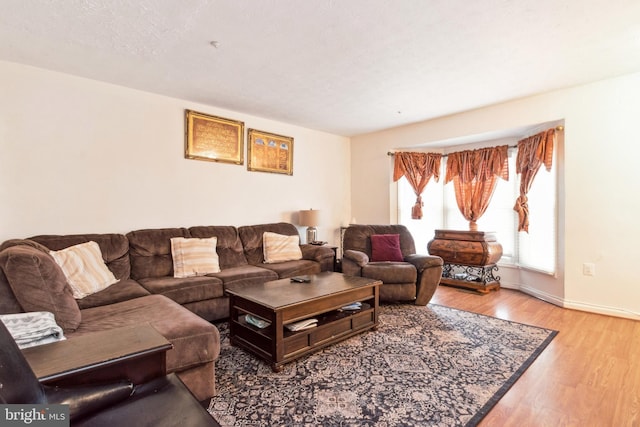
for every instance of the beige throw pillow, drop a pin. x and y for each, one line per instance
(84, 268)
(194, 257)
(280, 248)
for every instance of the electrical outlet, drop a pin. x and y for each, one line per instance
(589, 269)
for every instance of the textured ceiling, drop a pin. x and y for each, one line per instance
(342, 66)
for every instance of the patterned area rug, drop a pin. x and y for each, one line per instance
(423, 366)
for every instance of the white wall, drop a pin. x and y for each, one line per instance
(599, 205)
(80, 156)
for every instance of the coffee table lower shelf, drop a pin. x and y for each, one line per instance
(332, 327)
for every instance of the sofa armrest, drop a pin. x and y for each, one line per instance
(316, 252)
(323, 255)
(429, 274)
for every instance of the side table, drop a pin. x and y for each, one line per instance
(337, 266)
(136, 353)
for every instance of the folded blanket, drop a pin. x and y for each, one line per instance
(34, 328)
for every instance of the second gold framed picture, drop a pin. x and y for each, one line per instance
(268, 152)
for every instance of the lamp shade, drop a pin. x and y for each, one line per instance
(309, 218)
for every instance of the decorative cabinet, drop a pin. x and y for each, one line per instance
(469, 257)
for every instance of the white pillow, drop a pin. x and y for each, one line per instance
(280, 248)
(84, 268)
(194, 257)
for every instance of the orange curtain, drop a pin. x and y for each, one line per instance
(475, 174)
(532, 153)
(418, 168)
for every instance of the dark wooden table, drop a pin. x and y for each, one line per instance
(281, 302)
(135, 353)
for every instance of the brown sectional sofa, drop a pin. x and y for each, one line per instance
(181, 309)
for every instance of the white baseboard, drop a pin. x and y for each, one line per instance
(598, 309)
(561, 302)
(553, 299)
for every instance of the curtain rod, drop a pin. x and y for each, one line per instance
(393, 153)
(558, 128)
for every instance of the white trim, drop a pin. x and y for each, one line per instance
(507, 285)
(590, 308)
(542, 295)
(599, 309)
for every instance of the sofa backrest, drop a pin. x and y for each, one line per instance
(358, 237)
(251, 237)
(228, 245)
(114, 248)
(8, 302)
(37, 283)
(150, 251)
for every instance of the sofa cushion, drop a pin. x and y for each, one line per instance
(195, 341)
(194, 256)
(84, 269)
(294, 268)
(114, 248)
(386, 247)
(391, 272)
(150, 251)
(229, 246)
(246, 274)
(184, 290)
(39, 284)
(123, 290)
(279, 247)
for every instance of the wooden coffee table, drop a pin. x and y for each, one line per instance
(281, 302)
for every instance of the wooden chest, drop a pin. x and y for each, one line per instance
(477, 248)
(469, 257)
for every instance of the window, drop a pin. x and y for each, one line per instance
(535, 250)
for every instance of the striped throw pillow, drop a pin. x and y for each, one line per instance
(84, 268)
(194, 257)
(280, 248)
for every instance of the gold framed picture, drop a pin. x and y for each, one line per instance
(269, 152)
(212, 138)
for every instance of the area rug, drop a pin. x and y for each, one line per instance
(423, 366)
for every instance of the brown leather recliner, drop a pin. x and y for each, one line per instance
(164, 401)
(415, 278)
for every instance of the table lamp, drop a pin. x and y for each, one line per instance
(309, 218)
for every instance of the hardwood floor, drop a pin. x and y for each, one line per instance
(588, 376)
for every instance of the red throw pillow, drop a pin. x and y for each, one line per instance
(386, 247)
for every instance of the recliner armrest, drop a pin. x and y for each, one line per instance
(358, 257)
(84, 400)
(422, 261)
